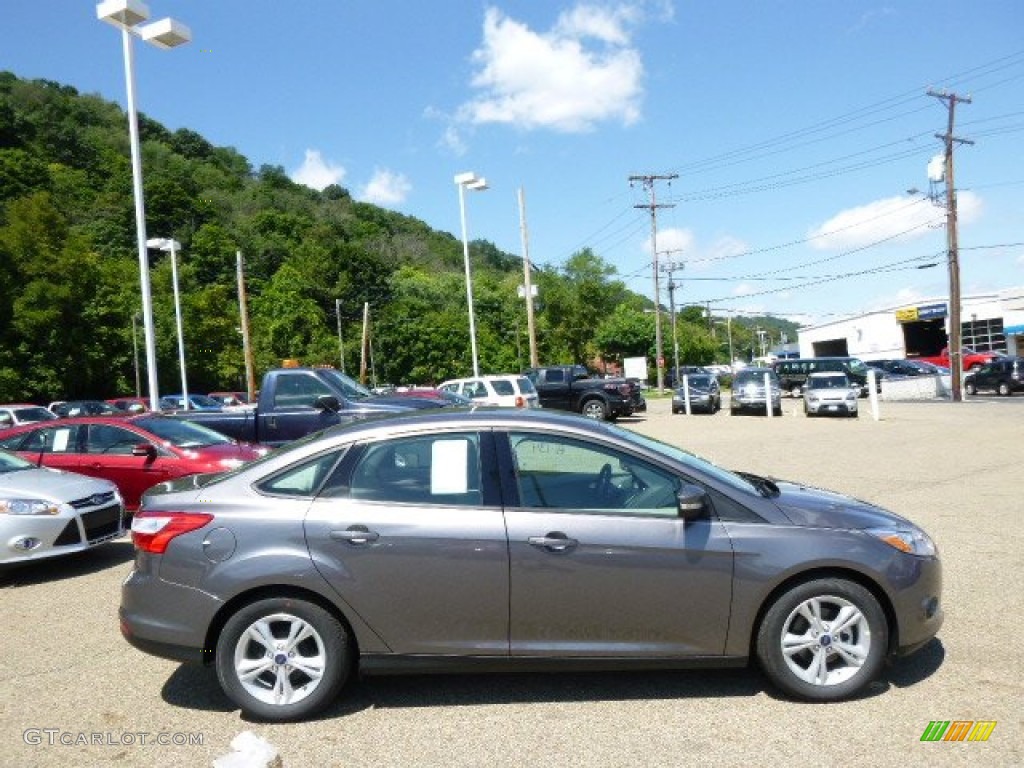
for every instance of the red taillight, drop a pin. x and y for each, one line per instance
(153, 531)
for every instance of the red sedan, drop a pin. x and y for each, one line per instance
(135, 453)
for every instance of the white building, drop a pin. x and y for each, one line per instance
(989, 322)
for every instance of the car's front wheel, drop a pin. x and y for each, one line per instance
(823, 640)
(1003, 389)
(970, 388)
(595, 409)
(282, 659)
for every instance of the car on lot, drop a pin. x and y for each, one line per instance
(130, 404)
(508, 391)
(1003, 376)
(830, 394)
(793, 372)
(46, 513)
(907, 368)
(64, 409)
(14, 414)
(748, 392)
(499, 539)
(232, 399)
(133, 452)
(704, 394)
(444, 396)
(195, 403)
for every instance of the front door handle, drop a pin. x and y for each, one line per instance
(556, 541)
(355, 534)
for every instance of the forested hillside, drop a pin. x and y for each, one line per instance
(69, 276)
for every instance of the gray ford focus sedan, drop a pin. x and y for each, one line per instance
(491, 540)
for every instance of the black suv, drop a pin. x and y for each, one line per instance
(1004, 375)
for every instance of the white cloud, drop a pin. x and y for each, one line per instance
(673, 244)
(386, 188)
(582, 72)
(893, 218)
(317, 173)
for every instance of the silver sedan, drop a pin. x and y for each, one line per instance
(46, 512)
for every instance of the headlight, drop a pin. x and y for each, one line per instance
(28, 507)
(914, 542)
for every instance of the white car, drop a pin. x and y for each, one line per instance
(23, 413)
(830, 393)
(48, 512)
(506, 390)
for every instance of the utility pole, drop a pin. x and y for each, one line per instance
(955, 344)
(243, 309)
(527, 282)
(341, 344)
(670, 269)
(648, 183)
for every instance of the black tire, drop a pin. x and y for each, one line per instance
(595, 409)
(328, 637)
(853, 656)
(1003, 389)
(970, 389)
(777, 411)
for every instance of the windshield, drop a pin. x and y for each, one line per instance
(858, 366)
(34, 413)
(690, 460)
(183, 434)
(349, 387)
(11, 463)
(203, 401)
(699, 380)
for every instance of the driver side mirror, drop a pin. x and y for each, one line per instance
(328, 403)
(145, 449)
(692, 501)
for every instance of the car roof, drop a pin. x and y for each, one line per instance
(470, 417)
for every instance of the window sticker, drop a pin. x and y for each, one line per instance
(60, 440)
(448, 466)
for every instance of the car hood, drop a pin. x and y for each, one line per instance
(818, 508)
(51, 484)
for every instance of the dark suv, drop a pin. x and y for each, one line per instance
(1004, 375)
(793, 372)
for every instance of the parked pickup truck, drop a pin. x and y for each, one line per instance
(969, 358)
(294, 402)
(571, 388)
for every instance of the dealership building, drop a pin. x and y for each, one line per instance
(989, 322)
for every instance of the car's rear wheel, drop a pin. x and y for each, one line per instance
(1003, 389)
(823, 640)
(970, 388)
(282, 659)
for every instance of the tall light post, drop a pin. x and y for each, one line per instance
(126, 15)
(136, 317)
(466, 181)
(170, 245)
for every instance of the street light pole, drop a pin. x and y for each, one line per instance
(126, 15)
(135, 351)
(466, 181)
(171, 245)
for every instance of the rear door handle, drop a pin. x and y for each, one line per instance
(555, 541)
(355, 534)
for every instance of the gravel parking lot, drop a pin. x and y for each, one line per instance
(74, 693)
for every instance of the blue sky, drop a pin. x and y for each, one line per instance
(795, 128)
